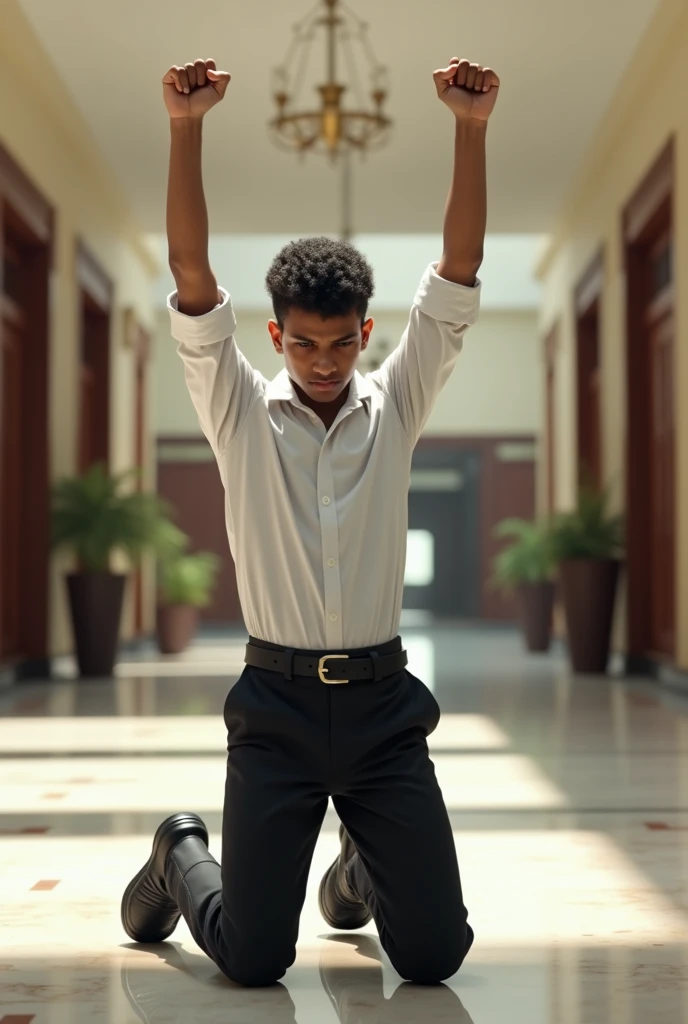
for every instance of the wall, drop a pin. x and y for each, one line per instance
(648, 108)
(398, 261)
(495, 388)
(42, 129)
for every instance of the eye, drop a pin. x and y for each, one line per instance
(344, 344)
(303, 344)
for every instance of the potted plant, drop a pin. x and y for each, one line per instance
(526, 567)
(588, 547)
(185, 585)
(95, 516)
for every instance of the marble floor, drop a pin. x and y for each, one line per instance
(568, 797)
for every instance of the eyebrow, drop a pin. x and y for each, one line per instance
(348, 337)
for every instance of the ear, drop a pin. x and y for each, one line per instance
(365, 333)
(276, 335)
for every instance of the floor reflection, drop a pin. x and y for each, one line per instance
(357, 993)
(195, 993)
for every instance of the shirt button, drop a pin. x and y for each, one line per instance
(333, 617)
(326, 500)
(331, 562)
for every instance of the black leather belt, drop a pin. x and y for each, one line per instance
(373, 663)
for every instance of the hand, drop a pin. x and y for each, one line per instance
(191, 90)
(469, 90)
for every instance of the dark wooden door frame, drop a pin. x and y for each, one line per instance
(647, 214)
(139, 340)
(26, 213)
(550, 355)
(587, 302)
(95, 304)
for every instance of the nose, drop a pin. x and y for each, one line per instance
(325, 367)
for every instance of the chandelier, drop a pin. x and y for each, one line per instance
(345, 114)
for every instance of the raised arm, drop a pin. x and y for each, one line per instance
(222, 384)
(190, 91)
(448, 298)
(470, 91)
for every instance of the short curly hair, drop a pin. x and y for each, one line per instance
(320, 275)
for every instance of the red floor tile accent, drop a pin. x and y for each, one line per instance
(18, 1018)
(45, 885)
(34, 831)
(661, 826)
(641, 701)
(31, 704)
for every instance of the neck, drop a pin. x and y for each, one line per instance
(327, 411)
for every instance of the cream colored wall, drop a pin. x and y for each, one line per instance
(43, 131)
(650, 106)
(495, 388)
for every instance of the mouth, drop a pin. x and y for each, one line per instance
(325, 385)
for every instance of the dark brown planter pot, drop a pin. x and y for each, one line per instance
(177, 625)
(588, 589)
(536, 607)
(95, 600)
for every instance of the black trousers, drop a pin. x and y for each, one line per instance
(292, 744)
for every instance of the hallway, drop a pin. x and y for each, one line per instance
(569, 800)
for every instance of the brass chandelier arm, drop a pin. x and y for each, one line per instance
(332, 128)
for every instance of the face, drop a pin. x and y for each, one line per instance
(320, 354)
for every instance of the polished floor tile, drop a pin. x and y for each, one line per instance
(568, 797)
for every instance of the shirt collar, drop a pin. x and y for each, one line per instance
(281, 389)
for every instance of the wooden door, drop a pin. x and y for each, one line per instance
(662, 462)
(509, 493)
(26, 232)
(650, 417)
(95, 300)
(87, 403)
(550, 415)
(588, 399)
(140, 364)
(11, 488)
(94, 373)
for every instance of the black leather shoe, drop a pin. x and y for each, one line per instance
(339, 904)
(149, 914)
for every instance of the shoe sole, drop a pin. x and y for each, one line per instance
(359, 916)
(163, 833)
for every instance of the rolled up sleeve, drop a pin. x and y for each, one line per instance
(222, 383)
(416, 371)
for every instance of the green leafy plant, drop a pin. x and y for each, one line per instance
(529, 558)
(169, 541)
(589, 530)
(188, 578)
(94, 515)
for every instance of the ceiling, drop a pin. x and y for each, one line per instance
(560, 63)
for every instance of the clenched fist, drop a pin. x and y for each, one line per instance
(469, 90)
(191, 90)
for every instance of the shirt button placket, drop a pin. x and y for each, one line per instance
(330, 551)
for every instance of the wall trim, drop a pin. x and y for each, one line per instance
(590, 284)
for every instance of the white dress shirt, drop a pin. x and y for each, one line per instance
(317, 519)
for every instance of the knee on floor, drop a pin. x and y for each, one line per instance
(253, 971)
(433, 962)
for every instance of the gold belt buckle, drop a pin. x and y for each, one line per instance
(322, 670)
